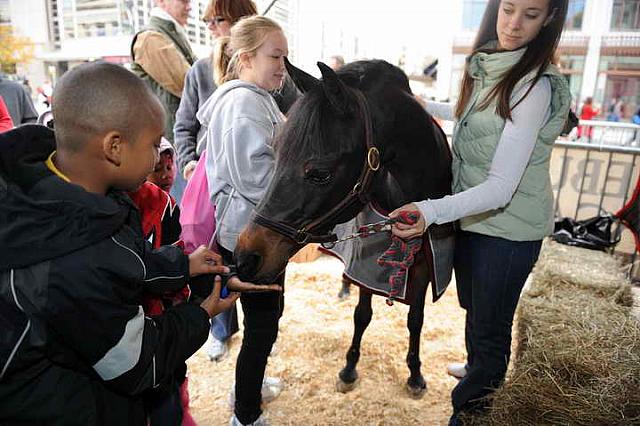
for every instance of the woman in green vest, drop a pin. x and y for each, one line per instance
(512, 106)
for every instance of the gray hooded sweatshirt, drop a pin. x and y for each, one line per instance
(241, 121)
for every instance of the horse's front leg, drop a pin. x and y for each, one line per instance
(361, 319)
(416, 385)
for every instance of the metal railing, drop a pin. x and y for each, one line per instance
(621, 39)
(581, 173)
(605, 133)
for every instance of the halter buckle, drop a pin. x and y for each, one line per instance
(373, 159)
(302, 237)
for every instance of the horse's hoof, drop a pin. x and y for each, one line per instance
(344, 387)
(344, 295)
(416, 392)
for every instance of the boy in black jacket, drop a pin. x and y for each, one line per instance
(76, 347)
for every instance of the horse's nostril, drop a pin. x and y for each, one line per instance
(248, 264)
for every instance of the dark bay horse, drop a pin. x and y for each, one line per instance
(356, 136)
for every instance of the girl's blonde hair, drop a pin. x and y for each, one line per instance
(247, 35)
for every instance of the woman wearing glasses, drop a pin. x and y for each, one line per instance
(189, 136)
(220, 15)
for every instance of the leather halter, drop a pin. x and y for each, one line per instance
(358, 194)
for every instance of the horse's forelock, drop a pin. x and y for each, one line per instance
(302, 136)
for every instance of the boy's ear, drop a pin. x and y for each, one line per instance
(112, 148)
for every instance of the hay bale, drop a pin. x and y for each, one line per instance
(562, 267)
(577, 360)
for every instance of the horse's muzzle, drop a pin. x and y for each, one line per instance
(261, 254)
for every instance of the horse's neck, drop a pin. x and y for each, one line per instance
(415, 156)
(418, 167)
(387, 192)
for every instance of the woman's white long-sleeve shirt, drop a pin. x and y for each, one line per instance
(509, 162)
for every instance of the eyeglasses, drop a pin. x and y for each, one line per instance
(215, 20)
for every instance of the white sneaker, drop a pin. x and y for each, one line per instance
(217, 350)
(271, 389)
(260, 421)
(457, 369)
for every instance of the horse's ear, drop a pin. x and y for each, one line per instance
(334, 88)
(303, 81)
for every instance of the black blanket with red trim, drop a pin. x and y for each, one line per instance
(433, 262)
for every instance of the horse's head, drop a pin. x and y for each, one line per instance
(354, 136)
(321, 154)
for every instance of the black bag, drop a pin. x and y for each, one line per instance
(593, 233)
(572, 121)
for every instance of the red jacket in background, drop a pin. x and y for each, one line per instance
(160, 216)
(5, 119)
(587, 113)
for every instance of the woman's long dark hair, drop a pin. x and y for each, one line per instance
(539, 55)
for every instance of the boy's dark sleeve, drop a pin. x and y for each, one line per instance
(167, 269)
(90, 310)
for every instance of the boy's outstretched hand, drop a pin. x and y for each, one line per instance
(213, 304)
(205, 261)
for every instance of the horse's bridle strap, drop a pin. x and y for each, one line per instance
(300, 236)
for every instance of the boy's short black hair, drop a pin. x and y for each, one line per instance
(95, 98)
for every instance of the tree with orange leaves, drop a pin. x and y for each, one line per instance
(14, 49)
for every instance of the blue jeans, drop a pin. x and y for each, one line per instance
(179, 185)
(490, 274)
(225, 324)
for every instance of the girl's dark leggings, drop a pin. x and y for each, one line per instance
(262, 312)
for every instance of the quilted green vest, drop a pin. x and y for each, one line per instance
(529, 215)
(169, 101)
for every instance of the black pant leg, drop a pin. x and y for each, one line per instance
(164, 406)
(262, 312)
(462, 263)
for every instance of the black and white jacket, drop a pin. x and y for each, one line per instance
(76, 346)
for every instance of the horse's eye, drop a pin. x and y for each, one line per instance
(318, 176)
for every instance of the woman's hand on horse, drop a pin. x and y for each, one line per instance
(213, 304)
(236, 284)
(405, 231)
(205, 261)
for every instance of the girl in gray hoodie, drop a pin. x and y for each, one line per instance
(241, 119)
